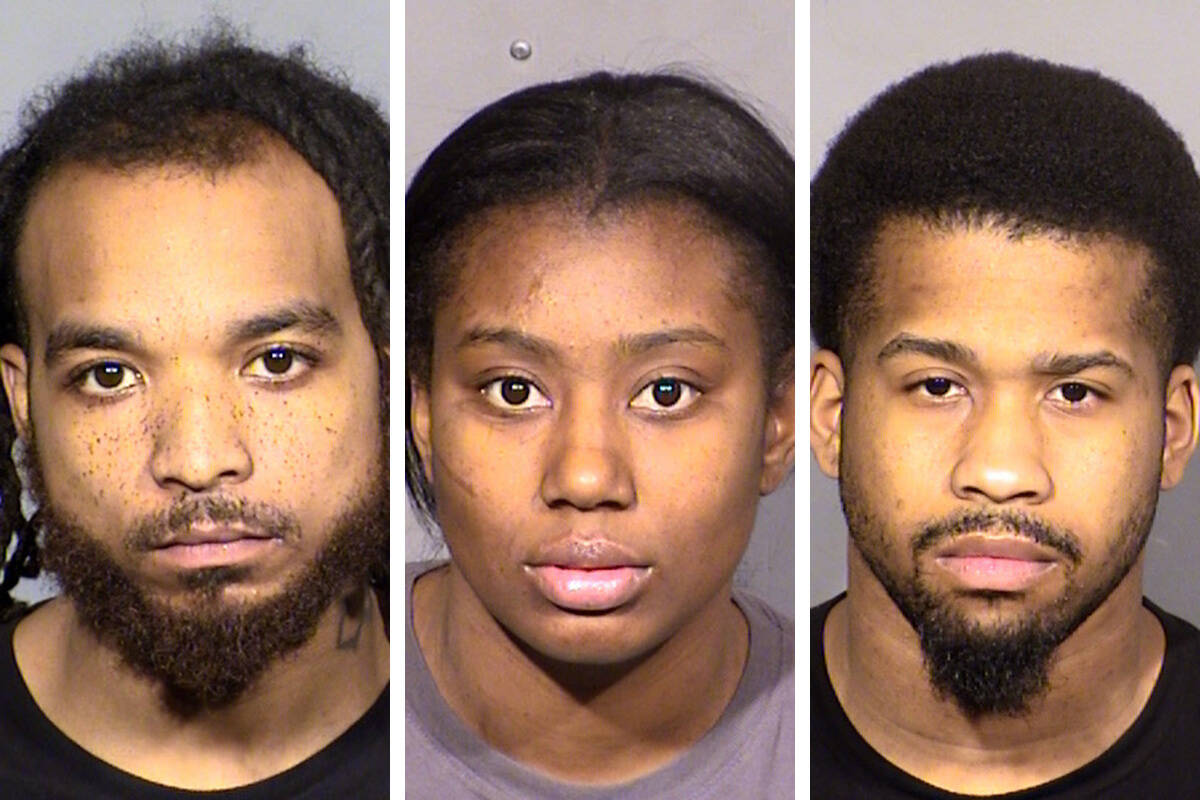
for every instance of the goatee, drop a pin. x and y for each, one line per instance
(1002, 668)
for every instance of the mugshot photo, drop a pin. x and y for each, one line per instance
(600, 365)
(194, 340)
(1005, 311)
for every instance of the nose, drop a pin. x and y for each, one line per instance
(198, 444)
(588, 464)
(1001, 460)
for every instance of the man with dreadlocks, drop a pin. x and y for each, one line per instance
(193, 269)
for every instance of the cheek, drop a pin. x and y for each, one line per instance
(698, 484)
(90, 460)
(485, 480)
(894, 464)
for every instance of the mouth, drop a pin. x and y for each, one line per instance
(587, 574)
(199, 547)
(996, 564)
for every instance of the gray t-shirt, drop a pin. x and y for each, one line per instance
(749, 753)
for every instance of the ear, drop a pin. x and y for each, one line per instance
(421, 423)
(826, 391)
(779, 435)
(1181, 423)
(14, 368)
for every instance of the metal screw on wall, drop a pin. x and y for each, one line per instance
(520, 49)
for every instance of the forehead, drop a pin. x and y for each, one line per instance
(982, 284)
(637, 267)
(172, 242)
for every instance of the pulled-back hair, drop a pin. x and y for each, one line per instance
(604, 142)
(208, 105)
(1027, 145)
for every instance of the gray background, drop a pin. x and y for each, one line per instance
(457, 60)
(41, 43)
(859, 48)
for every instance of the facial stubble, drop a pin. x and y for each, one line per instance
(1001, 668)
(204, 651)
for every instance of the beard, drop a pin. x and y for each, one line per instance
(1000, 668)
(205, 652)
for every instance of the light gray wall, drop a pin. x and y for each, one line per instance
(860, 47)
(41, 43)
(457, 60)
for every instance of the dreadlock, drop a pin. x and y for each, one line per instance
(207, 105)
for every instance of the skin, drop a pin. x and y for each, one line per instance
(607, 697)
(173, 258)
(1005, 436)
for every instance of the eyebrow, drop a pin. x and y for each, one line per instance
(303, 315)
(1071, 363)
(941, 349)
(1044, 363)
(70, 335)
(637, 344)
(509, 337)
(631, 344)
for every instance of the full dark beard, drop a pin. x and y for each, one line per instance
(204, 652)
(992, 669)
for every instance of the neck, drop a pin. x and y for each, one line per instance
(581, 723)
(291, 711)
(875, 663)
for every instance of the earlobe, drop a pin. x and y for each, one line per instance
(14, 368)
(826, 389)
(779, 436)
(1181, 423)
(420, 421)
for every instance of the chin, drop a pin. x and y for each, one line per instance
(589, 641)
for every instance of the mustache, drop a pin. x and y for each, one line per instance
(999, 521)
(154, 530)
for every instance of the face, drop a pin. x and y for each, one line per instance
(597, 428)
(203, 394)
(1003, 431)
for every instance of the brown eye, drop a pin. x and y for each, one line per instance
(667, 393)
(1074, 392)
(106, 379)
(938, 387)
(514, 391)
(109, 375)
(278, 360)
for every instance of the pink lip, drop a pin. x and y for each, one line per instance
(589, 589)
(200, 547)
(585, 573)
(996, 564)
(214, 534)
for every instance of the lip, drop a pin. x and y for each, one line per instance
(998, 564)
(212, 546)
(585, 573)
(213, 534)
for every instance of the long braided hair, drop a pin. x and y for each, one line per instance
(205, 104)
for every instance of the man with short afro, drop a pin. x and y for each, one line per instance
(1005, 264)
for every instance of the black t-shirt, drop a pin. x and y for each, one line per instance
(37, 761)
(1158, 758)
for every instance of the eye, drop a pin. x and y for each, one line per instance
(514, 393)
(1074, 393)
(106, 378)
(665, 395)
(278, 363)
(939, 388)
